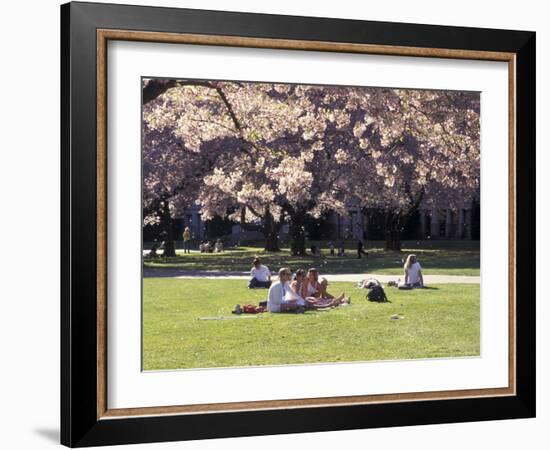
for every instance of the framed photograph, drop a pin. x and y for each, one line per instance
(276, 224)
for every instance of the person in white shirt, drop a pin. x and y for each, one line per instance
(276, 301)
(260, 275)
(413, 272)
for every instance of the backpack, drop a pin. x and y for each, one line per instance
(252, 309)
(376, 294)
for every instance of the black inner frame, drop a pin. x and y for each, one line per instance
(79, 424)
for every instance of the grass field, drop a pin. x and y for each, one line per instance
(436, 257)
(439, 322)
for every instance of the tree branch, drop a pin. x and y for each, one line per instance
(155, 88)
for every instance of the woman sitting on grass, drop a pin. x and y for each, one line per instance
(295, 286)
(293, 292)
(413, 272)
(315, 293)
(310, 286)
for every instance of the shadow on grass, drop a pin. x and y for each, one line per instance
(458, 258)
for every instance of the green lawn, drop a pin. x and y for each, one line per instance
(436, 257)
(439, 322)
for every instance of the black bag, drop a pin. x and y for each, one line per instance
(376, 294)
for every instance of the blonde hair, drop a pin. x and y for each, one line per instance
(408, 261)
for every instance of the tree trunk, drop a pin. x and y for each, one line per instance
(396, 221)
(166, 219)
(393, 240)
(271, 233)
(297, 233)
(269, 229)
(271, 242)
(393, 227)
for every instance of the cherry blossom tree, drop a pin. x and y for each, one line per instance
(266, 154)
(421, 150)
(173, 170)
(171, 179)
(272, 165)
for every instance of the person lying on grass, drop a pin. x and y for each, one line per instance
(314, 292)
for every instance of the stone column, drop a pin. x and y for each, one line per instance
(460, 225)
(197, 220)
(434, 228)
(468, 226)
(356, 230)
(448, 223)
(422, 223)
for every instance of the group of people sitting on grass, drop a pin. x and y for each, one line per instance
(309, 291)
(301, 292)
(210, 247)
(293, 293)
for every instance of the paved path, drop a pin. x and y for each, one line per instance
(353, 277)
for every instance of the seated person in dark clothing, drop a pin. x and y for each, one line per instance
(341, 249)
(360, 250)
(153, 252)
(260, 275)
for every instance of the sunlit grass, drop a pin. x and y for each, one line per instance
(433, 323)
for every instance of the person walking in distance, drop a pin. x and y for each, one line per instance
(186, 240)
